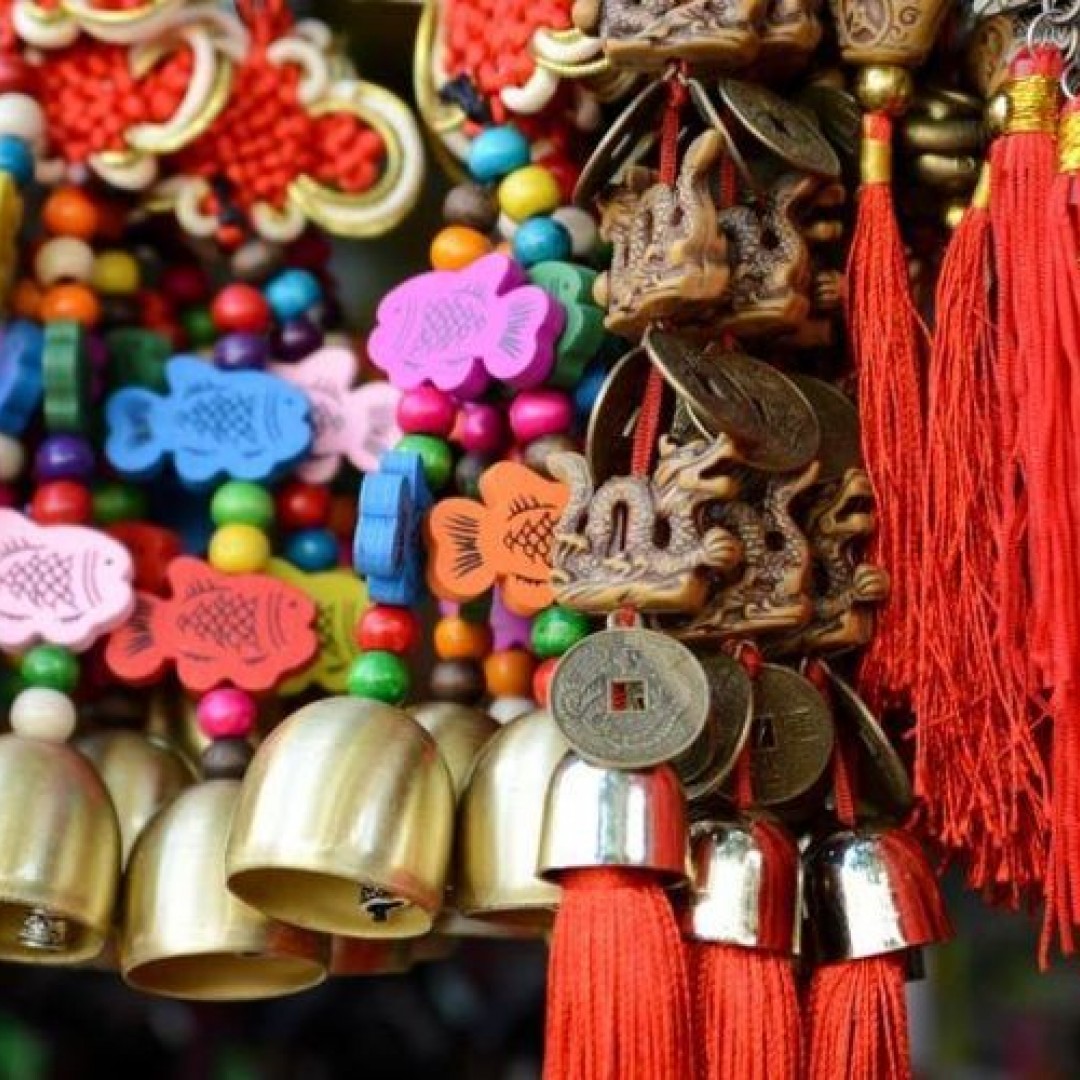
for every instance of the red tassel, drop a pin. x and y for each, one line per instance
(618, 1003)
(1063, 461)
(747, 1020)
(973, 715)
(885, 332)
(858, 1020)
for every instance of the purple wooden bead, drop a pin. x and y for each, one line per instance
(535, 413)
(241, 351)
(481, 429)
(298, 338)
(64, 457)
(427, 410)
(97, 351)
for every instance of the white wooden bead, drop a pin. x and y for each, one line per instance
(12, 458)
(504, 709)
(581, 227)
(64, 258)
(506, 226)
(21, 115)
(41, 713)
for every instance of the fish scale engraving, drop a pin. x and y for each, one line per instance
(221, 416)
(227, 620)
(44, 579)
(533, 538)
(451, 322)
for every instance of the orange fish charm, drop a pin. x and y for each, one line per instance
(249, 630)
(506, 537)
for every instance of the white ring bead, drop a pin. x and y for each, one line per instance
(41, 713)
(12, 458)
(64, 258)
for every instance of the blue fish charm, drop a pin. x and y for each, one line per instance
(21, 379)
(387, 548)
(216, 425)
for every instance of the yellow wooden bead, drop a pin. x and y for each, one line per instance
(116, 273)
(239, 549)
(529, 191)
(456, 246)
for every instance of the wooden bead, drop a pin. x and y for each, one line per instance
(115, 273)
(227, 759)
(241, 307)
(22, 116)
(542, 681)
(42, 713)
(303, 506)
(582, 229)
(459, 681)
(509, 673)
(387, 629)
(25, 300)
(63, 258)
(470, 204)
(537, 452)
(459, 639)
(71, 303)
(226, 714)
(12, 458)
(62, 502)
(529, 191)
(456, 246)
(503, 710)
(238, 549)
(69, 211)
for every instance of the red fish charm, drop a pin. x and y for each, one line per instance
(249, 630)
(506, 537)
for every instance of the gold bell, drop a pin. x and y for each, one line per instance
(344, 823)
(371, 956)
(500, 822)
(59, 839)
(744, 885)
(614, 817)
(141, 774)
(869, 892)
(459, 731)
(184, 934)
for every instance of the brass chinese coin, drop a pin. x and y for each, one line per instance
(629, 698)
(838, 422)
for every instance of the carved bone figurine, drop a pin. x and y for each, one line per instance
(669, 256)
(637, 540)
(791, 33)
(722, 34)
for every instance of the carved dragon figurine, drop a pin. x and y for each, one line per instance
(773, 591)
(791, 33)
(668, 254)
(637, 540)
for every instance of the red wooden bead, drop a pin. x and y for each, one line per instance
(62, 502)
(342, 519)
(185, 286)
(542, 681)
(240, 307)
(387, 629)
(303, 506)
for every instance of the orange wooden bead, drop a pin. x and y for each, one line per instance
(25, 300)
(509, 673)
(68, 211)
(458, 639)
(456, 246)
(70, 303)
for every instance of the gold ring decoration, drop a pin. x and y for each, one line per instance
(570, 54)
(278, 226)
(123, 27)
(44, 28)
(206, 95)
(306, 55)
(389, 200)
(11, 216)
(129, 170)
(450, 144)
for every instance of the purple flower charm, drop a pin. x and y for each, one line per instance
(460, 328)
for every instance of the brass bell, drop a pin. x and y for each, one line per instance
(141, 774)
(459, 732)
(614, 817)
(371, 956)
(345, 822)
(184, 934)
(59, 853)
(499, 825)
(869, 892)
(744, 884)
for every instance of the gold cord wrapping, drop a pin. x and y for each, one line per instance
(1032, 105)
(875, 161)
(1069, 141)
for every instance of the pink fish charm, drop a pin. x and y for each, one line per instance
(460, 328)
(60, 584)
(358, 424)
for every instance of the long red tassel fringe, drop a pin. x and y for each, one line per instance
(885, 334)
(978, 772)
(618, 1005)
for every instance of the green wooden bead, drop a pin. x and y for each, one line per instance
(137, 358)
(116, 502)
(199, 326)
(557, 629)
(66, 371)
(436, 456)
(238, 502)
(50, 666)
(379, 676)
(583, 332)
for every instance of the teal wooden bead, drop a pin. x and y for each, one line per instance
(239, 502)
(292, 293)
(541, 239)
(50, 667)
(435, 455)
(496, 152)
(379, 676)
(557, 629)
(116, 502)
(312, 550)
